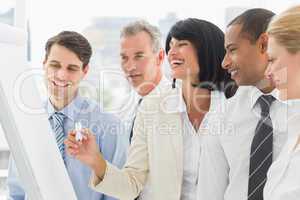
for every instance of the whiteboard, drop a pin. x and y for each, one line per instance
(25, 123)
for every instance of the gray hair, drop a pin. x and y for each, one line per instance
(136, 27)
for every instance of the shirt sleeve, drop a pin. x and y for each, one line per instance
(213, 171)
(126, 183)
(115, 142)
(291, 194)
(15, 189)
(114, 145)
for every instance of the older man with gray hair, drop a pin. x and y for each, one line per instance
(141, 58)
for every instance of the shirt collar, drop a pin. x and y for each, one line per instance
(293, 107)
(172, 102)
(181, 103)
(71, 110)
(163, 83)
(290, 102)
(176, 104)
(255, 93)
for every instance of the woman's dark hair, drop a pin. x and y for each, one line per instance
(208, 41)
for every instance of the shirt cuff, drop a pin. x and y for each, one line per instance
(96, 180)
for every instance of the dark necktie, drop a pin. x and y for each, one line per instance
(58, 128)
(131, 132)
(261, 150)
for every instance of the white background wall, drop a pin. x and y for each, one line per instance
(48, 17)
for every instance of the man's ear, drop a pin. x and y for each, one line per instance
(263, 42)
(161, 56)
(44, 63)
(85, 69)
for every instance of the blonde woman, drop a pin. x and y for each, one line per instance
(283, 181)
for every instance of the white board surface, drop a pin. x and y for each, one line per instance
(25, 126)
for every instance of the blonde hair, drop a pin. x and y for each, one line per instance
(285, 29)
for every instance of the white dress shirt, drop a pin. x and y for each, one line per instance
(128, 112)
(283, 181)
(191, 155)
(224, 169)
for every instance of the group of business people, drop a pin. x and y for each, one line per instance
(199, 137)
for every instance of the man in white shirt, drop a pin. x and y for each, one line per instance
(234, 164)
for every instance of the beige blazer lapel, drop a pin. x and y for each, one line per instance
(172, 108)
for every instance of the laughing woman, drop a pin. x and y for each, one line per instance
(283, 180)
(164, 154)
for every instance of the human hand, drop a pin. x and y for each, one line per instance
(85, 150)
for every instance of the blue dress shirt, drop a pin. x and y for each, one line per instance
(111, 139)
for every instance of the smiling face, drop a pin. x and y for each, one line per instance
(183, 60)
(64, 71)
(245, 61)
(140, 63)
(284, 67)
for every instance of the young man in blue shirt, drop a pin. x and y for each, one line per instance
(66, 64)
